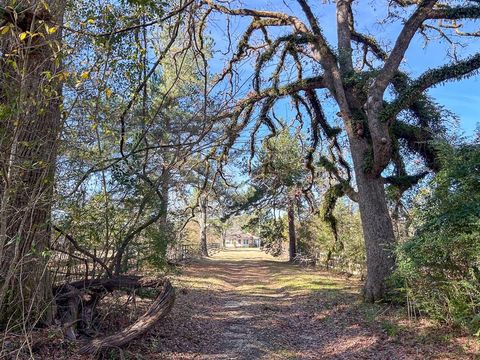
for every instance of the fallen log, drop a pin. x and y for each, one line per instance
(127, 282)
(158, 310)
(77, 308)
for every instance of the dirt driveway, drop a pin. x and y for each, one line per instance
(244, 304)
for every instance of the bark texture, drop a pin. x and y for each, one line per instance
(376, 222)
(378, 234)
(158, 310)
(29, 129)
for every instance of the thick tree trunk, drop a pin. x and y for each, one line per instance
(378, 234)
(203, 225)
(32, 125)
(368, 162)
(292, 236)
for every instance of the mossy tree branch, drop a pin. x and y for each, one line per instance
(454, 71)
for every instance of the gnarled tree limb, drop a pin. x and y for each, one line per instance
(158, 310)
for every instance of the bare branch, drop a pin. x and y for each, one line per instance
(344, 33)
(401, 45)
(85, 252)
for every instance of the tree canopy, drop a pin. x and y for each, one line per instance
(135, 133)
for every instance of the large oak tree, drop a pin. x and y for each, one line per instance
(384, 112)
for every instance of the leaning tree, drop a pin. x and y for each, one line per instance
(385, 112)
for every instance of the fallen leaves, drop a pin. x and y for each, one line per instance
(245, 305)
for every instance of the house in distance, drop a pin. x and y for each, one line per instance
(240, 239)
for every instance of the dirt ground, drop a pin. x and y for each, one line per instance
(244, 304)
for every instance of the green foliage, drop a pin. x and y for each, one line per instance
(368, 160)
(316, 239)
(450, 72)
(439, 266)
(111, 206)
(154, 5)
(159, 239)
(328, 206)
(280, 162)
(271, 230)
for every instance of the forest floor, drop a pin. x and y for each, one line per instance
(245, 304)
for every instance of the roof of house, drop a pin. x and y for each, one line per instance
(241, 234)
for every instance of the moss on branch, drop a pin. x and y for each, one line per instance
(449, 72)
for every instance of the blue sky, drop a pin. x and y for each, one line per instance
(463, 98)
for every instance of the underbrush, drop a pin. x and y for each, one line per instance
(438, 269)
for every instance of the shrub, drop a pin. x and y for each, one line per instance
(272, 232)
(347, 253)
(439, 266)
